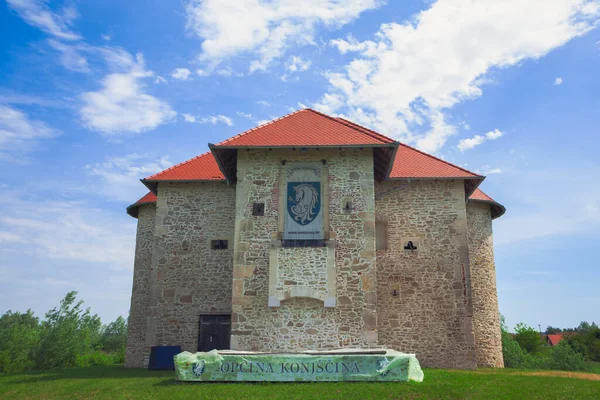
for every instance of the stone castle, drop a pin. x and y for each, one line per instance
(313, 232)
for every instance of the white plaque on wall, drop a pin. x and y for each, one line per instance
(303, 199)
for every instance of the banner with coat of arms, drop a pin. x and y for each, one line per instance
(304, 209)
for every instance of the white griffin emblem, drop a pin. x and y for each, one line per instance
(198, 368)
(305, 201)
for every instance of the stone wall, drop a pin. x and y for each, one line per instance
(300, 322)
(486, 317)
(136, 324)
(190, 278)
(431, 315)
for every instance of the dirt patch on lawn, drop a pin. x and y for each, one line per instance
(562, 374)
(588, 376)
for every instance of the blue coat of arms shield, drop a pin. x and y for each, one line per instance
(303, 201)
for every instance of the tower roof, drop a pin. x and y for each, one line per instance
(148, 198)
(497, 209)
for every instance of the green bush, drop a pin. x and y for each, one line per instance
(19, 338)
(119, 356)
(529, 339)
(67, 332)
(97, 357)
(564, 358)
(114, 335)
(69, 336)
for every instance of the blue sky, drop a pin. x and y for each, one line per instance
(95, 95)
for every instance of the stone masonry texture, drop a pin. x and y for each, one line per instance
(431, 315)
(305, 322)
(444, 307)
(191, 278)
(486, 318)
(136, 326)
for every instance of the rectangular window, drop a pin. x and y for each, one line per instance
(381, 235)
(218, 244)
(258, 209)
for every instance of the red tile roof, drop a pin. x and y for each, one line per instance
(555, 338)
(311, 128)
(148, 198)
(412, 163)
(307, 128)
(200, 168)
(497, 208)
(479, 195)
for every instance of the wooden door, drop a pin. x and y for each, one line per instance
(214, 332)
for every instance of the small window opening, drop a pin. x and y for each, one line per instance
(348, 206)
(218, 244)
(258, 209)
(410, 246)
(381, 235)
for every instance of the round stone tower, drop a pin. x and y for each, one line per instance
(145, 212)
(486, 317)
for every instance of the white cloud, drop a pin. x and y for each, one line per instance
(558, 81)
(68, 230)
(20, 134)
(245, 115)
(263, 103)
(213, 119)
(405, 80)
(297, 64)
(8, 237)
(467, 144)
(352, 45)
(70, 57)
(106, 37)
(118, 177)
(264, 28)
(227, 72)
(122, 105)
(181, 74)
(487, 170)
(160, 79)
(38, 14)
(189, 118)
(493, 135)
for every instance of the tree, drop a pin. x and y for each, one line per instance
(529, 339)
(67, 333)
(114, 335)
(19, 341)
(551, 330)
(584, 326)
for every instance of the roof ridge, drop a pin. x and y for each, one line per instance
(369, 132)
(178, 165)
(221, 143)
(352, 125)
(439, 159)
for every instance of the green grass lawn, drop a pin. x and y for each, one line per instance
(115, 382)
